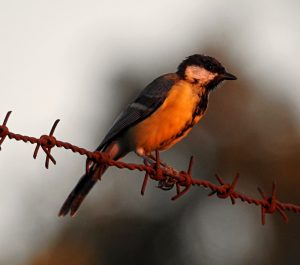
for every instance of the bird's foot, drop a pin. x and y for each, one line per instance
(166, 184)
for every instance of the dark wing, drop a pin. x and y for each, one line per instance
(144, 105)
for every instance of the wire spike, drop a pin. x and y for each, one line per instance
(221, 181)
(189, 171)
(6, 117)
(54, 127)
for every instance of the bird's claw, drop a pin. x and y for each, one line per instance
(166, 184)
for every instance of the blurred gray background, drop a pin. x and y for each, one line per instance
(82, 62)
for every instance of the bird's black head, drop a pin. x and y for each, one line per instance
(205, 70)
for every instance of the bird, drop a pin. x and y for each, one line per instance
(161, 115)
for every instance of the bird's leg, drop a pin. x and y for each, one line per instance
(146, 158)
(167, 183)
(153, 158)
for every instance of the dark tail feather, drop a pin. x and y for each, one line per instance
(82, 188)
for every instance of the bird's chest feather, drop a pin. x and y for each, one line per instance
(183, 107)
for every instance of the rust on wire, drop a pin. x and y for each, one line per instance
(272, 205)
(47, 142)
(156, 170)
(186, 183)
(226, 189)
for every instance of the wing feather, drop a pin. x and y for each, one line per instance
(144, 105)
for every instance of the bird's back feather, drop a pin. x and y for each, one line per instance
(144, 105)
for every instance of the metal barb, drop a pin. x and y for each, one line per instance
(187, 182)
(225, 190)
(145, 181)
(3, 128)
(47, 142)
(189, 171)
(270, 205)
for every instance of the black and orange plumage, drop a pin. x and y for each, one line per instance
(161, 115)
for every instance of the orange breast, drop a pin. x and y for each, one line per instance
(158, 131)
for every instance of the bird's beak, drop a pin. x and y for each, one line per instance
(228, 76)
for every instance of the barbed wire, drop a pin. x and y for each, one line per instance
(155, 169)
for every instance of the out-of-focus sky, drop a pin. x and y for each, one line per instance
(82, 61)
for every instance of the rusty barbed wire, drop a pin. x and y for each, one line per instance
(167, 176)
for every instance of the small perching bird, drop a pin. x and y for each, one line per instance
(161, 115)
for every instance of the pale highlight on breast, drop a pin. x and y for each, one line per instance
(167, 121)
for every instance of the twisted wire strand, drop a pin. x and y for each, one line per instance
(167, 176)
